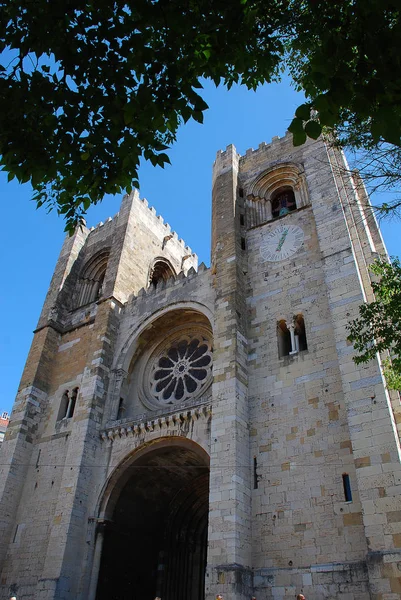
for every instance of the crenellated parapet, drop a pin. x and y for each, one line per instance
(172, 283)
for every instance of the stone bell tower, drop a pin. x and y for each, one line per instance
(185, 432)
(317, 508)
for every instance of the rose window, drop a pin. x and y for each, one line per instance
(182, 370)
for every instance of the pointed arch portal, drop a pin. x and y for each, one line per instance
(155, 537)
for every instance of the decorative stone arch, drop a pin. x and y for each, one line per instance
(120, 474)
(160, 489)
(91, 278)
(133, 346)
(126, 352)
(160, 269)
(282, 177)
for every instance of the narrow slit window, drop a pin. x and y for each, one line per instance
(16, 534)
(243, 246)
(347, 488)
(121, 409)
(242, 220)
(255, 473)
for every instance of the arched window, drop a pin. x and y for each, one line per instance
(62, 413)
(161, 271)
(274, 193)
(121, 409)
(283, 338)
(300, 335)
(91, 279)
(73, 401)
(283, 203)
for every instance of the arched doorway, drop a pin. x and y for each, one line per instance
(155, 540)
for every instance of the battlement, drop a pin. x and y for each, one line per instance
(275, 143)
(154, 290)
(105, 224)
(150, 212)
(230, 151)
(157, 221)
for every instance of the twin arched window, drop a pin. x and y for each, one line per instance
(291, 338)
(67, 404)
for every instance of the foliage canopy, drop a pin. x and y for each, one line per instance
(88, 88)
(94, 86)
(378, 327)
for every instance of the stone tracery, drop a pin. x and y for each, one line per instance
(181, 370)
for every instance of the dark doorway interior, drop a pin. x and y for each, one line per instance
(156, 542)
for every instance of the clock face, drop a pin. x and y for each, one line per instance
(281, 243)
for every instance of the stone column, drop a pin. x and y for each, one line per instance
(97, 556)
(293, 342)
(268, 209)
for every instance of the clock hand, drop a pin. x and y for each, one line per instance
(282, 240)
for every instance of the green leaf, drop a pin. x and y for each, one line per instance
(85, 156)
(313, 129)
(197, 116)
(299, 138)
(296, 126)
(303, 112)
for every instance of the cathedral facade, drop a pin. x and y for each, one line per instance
(183, 431)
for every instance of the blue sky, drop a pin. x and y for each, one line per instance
(31, 239)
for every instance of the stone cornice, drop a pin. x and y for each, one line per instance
(164, 423)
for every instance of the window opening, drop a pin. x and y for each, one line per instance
(121, 409)
(283, 338)
(347, 488)
(283, 203)
(241, 220)
(182, 370)
(161, 271)
(243, 243)
(62, 413)
(72, 403)
(92, 279)
(299, 334)
(255, 473)
(292, 338)
(67, 404)
(16, 534)
(241, 192)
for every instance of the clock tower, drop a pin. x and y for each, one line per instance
(293, 238)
